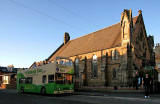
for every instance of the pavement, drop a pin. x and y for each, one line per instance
(8, 90)
(108, 90)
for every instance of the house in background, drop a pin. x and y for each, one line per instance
(111, 56)
(8, 77)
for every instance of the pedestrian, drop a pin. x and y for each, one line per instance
(139, 81)
(147, 84)
(136, 82)
(0, 83)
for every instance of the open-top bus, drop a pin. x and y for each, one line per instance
(52, 78)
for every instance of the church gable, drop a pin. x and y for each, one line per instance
(140, 43)
(139, 37)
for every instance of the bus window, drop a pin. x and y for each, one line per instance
(59, 78)
(68, 79)
(61, 62)
(28, 80)
(69, 63)
(50, 78)
(22, 80)
(44, 79)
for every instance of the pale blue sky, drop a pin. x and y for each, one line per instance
(31, 30)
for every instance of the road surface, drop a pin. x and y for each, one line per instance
(11, 97)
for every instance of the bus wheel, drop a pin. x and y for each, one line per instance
(22, 90)
(43, 91)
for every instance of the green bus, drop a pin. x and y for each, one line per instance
(52, 78)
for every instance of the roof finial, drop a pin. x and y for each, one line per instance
(140, 12)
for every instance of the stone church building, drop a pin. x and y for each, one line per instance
(111, 56)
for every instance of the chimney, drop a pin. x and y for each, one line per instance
(66, 37)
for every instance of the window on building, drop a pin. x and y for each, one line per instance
(5, 79)
(44, 79)
(112, 55)
(115, 54)
(94, 66)
(77, 67)
(114, 74)
(50, 78)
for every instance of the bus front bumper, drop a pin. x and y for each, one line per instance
(58, 92)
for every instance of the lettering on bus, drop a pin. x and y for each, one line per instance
(34, 71)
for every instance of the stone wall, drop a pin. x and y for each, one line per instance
(118, 67)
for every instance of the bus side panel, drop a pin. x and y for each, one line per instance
(30, 88)
(50, 87)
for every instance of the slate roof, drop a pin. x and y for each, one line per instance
(4, 69)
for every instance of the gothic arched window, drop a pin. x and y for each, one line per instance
(115, 54)
(125, 30)
(94, 66)
(77, 67)
(114, 73)
(112, 55)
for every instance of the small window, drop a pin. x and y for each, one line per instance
(50, 78)
(44, 79)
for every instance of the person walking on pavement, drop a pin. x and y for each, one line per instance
(0, 83)
(147, 82)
